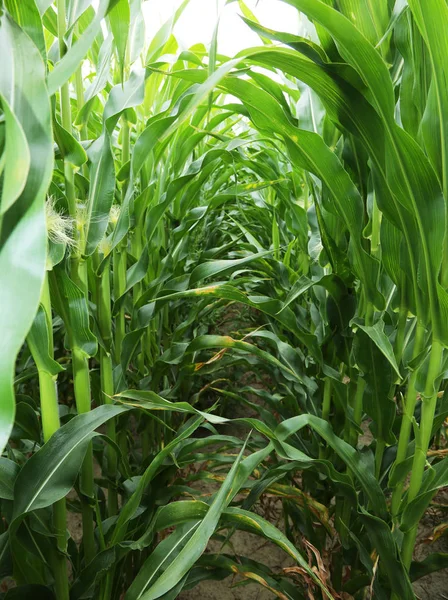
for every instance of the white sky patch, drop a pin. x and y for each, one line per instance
(198, 20)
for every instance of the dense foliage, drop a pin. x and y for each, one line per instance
(187, 239)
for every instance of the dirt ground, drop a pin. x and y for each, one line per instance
(251, 546)
(434, 586)
(431, 587)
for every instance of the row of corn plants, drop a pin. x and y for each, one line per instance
(148, 194)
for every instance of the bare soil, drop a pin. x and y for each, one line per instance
(431, 587)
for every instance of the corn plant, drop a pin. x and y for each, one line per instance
(149, 194)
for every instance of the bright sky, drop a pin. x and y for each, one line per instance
(199, 18)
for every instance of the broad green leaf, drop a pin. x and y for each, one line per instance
(51, 472)
(353, 459)
(133, 502)
(417, 189)
(65, 68)
(197, 543)
(161, 558)
(163, 34)
(16, 159)
(219, 266)
(26, 14)
(8, 471)
(435, 477)
(23, 240)
(432, 19)
(390, 563)
(377, 373)
(26, 424)
(103, 175)
(75, 8)
(377, 335)
(70, 303)
(220, 341)
(180, 512)
(136, 38)
(119, 18)
(39, 342)
(69, 147)
(151, 401)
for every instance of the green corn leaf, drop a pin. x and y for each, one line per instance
(69, 147)
(39, 342)
(70, 303)
(417, 189)
(102, 185)
(162, 36)
(23, 242)
(133, 502)
(75, 9)
(26, 424)
(219, 341)
(377, 335)
(177, 513)
(16, 159)
(219, 266)
(119, 18)
(349, 455)
(386, 546)
(9, 471)
(26, 15)
(51, 472)
(151, 401)
(432, 563)
(435, 478)
(65, 68)
(161, 558)
(432, 19)
(197, 541)
(377, 372)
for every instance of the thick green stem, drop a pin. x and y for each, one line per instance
(50, 424)
(47, 382)
(406, 422)
(326, 407)
(137, 247)
(107, 379)
(429, 403)
(357, 406)
(120, 256)
(107, 386)
(81, 381)
(48, 403)
(401, 328)
(60, 571)
(376, 225)
(120, 261)
(87, 510)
